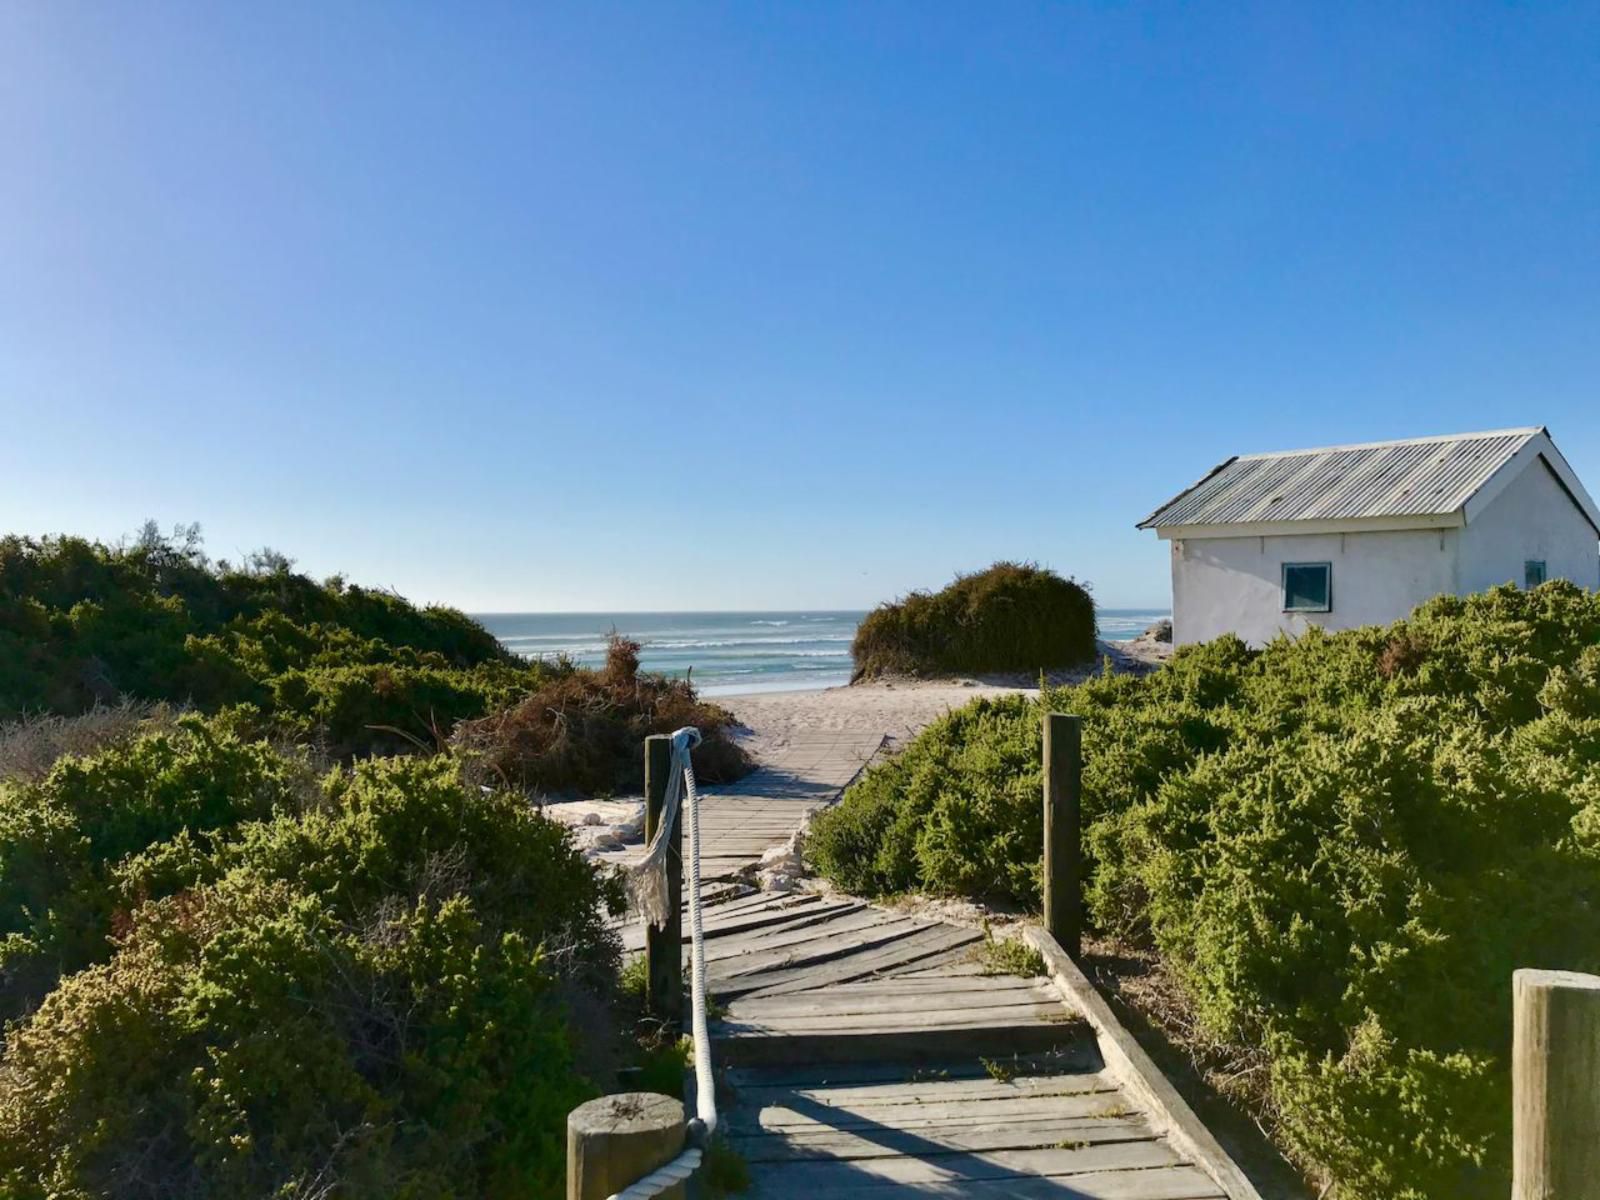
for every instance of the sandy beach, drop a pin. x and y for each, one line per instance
(772, 719)
(775, 723)
(900, 708)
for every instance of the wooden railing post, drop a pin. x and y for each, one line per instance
(1063, 855)
(663, 948)
(615, 1141)
(1555, 1086)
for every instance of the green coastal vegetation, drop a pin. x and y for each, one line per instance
(1012, 617)
(1340, 847)
(279, 915)
(355, 671)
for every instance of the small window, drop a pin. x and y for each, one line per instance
(1532, 573)
(1307, 587)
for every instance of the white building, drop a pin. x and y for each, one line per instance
(1360, 535)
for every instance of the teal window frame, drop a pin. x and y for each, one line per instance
(1531, 566)
(1327, 575)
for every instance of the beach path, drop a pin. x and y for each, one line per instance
(869, 1054)
(740, 821)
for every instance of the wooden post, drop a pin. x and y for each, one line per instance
(663, 948)
(1555, 1086)
(615, 1141)
(1063, 787)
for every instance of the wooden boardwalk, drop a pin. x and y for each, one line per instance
(867, 1054)
(741, 821)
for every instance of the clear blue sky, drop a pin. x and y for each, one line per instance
(751, 305)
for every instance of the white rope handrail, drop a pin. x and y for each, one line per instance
(647, 881)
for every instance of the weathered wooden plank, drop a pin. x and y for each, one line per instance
(715, 917)
(1555, 1104)
(916, 1090)
(923, 1018)
(760, 946)
(839, 1002)
(1039, 1114)
(1063, 854)
(780, 917)
(742, 846)
(800, 1114)
(758, 967)
(955, 963)
(1159, 1183)
(935, 1073)
(716, 899)
(664, 946)
(770, 918)
(1134, 1069)
(891, 1045)
(849, 1145)
(858, 965)
(938, 983)
(823, 1177)
(717, 870)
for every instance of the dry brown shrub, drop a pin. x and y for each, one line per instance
(1404, 654)
(583, 731)
(31, 746)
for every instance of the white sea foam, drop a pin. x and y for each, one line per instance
(743, 650)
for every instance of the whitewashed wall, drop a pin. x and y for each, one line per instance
(1532, 518)
(1235, 585)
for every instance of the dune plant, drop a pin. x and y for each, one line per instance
(1011, 617)
(1341, 846)
(83, 624)
(583, 730)
(381, 984)
(86, 628)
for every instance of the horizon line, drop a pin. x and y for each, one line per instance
(685, 612)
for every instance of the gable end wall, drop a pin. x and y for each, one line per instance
(1532, 518)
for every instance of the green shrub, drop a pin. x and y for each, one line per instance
(1011, 617)
(248, 1041)
(63, 838)
(1341, 845)
(584, 730)
(83, 624)
(956, 812)
(393, 986)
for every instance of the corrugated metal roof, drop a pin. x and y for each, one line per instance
(1420, 477)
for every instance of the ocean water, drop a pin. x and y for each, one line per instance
(726, 653)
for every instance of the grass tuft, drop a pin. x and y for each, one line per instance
(1011, 956)
(723, 1170)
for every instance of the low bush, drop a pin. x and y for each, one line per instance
(956, 812)
(242, 956)
(387, 984)
(63, 838)
(1342, 846)
(584, 730)
(84, 625)
(31, 746)
(1011, 617)
(385, 708)
(85, 628)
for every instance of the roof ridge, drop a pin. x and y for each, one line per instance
(1523, 430)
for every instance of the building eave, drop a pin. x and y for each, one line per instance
(1390, 524)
